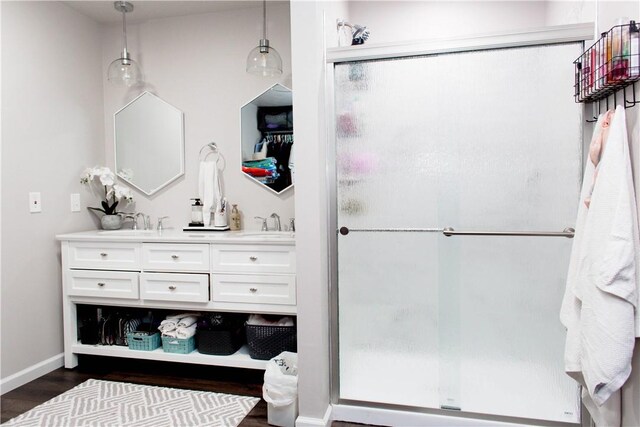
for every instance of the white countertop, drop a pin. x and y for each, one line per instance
(179, 236)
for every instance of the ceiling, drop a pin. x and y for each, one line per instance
(144, 10)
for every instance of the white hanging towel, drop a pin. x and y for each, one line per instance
(598, 309)
(209, 188)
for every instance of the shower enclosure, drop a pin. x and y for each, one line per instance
(431, 153)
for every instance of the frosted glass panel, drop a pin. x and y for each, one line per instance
(495, 134)
(510, 341)
(388, 320)
(487, 140)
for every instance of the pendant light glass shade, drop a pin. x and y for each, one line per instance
(124, 70)
(263, 60)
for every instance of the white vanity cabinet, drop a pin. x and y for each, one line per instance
(181, 271)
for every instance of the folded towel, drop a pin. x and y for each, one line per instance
(186, 332)
(187, 321)
(172, 334)
(256, 319)
(179, 316)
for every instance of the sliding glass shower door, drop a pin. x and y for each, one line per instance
(477, 141)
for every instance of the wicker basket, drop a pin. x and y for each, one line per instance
(138, 341)
(220, 342)
(266, 341)
(178, 345)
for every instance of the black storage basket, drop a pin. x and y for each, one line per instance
(266, 341)
(220, 342)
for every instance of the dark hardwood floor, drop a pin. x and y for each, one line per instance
(246, 382)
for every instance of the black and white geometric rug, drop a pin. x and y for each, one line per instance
(106, 403)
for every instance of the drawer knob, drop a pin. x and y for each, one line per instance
(103, 254)
(100, 284)
(175, 256)
(253, 289)
(172, 288)
(253, 258)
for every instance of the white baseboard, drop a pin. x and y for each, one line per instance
(31, 373)
(325, 421)
(389, 417)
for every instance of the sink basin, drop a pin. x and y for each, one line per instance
(269, 234)
(127, 232)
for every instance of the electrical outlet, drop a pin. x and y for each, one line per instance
(75, 202)
(35, 202)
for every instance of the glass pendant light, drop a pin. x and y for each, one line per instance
(124, 70)
(264, 60)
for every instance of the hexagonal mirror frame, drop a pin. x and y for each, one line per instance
(266, 142)
(149, 143)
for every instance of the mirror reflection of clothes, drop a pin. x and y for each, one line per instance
(280, 148)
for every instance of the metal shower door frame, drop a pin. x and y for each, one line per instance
(349, 410)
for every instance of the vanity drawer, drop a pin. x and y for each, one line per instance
(175, 257)
(174, 287)
(259, 289)
(107, 284)
(254, 258)
(106, 256)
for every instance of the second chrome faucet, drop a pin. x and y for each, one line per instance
(265, 225)
(277, 224)
(276, 217)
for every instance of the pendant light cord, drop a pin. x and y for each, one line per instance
(124, 33)
(264, 19)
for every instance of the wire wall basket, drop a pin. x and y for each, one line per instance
(610, 64)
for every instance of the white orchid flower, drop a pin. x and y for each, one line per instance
(107, 185)
(107, 177)
(122, 192)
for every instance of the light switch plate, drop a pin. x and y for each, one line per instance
(75, 202)
(35, 202)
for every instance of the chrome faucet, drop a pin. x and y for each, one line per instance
(160, 226)
(145, 218)
(276, 217)
(134, 225)
(265, 227)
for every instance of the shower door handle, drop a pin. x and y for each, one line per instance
(567, 232)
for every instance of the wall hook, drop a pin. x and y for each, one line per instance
(595, 115)
(629, 104)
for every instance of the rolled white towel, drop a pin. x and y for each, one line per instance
(168, 325)
(186, 332)
(172, 334)
(187, 321)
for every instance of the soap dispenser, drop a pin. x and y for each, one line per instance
(235, 218)
(196, 214)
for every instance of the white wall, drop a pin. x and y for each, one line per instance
(392, 21)
(197, 64)
(52, 117)
(312, 28)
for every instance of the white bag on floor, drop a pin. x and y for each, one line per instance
(280, 389)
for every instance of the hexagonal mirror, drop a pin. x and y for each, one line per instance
(267, 139)
(149, 143)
